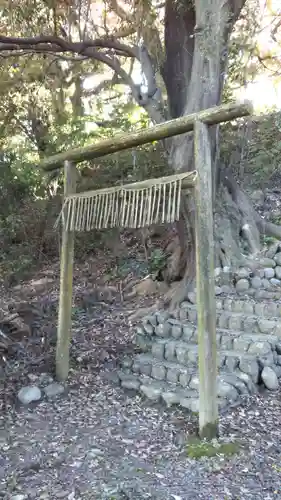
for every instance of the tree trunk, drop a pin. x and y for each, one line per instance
(203, 39)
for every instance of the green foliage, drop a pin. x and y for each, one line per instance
(157, 261)
(197, 448)
(253, 149)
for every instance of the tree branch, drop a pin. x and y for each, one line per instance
(57, 44)
(150, 101)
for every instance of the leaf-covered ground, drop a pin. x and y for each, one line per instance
(97, 442)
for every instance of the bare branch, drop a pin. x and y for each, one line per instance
(125, 16)
(57, 44)
(275, 29)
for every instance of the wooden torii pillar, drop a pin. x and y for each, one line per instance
(197, 122)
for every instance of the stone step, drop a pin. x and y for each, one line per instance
(187, 333)
(228, 323)
(263, 346)
(230, 388)
(186, 361)
(246, 305)
(250, 323)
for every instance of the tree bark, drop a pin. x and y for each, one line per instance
(210, 30)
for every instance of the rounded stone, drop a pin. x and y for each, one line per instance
(192, 297)
(184, 379)
(53, 390)
(260, 348)
(130, 384)
(259, 273)
(275, 282)
(218, 290)
(226, 390)
(28, 394)
(277, 258)
(256, 282)
(266, 262)
(170, 398)
(194, 383)
(163, 330)
(151, 392)
(243, 273)
(158, 372)
(277, 370)
(266, 284)
(269, 272)
(251, 367)
(272, 250)
(269, 378)
(148, 328)
(242, 285)
(278, 272)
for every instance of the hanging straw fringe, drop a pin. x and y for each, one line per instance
(132, 205)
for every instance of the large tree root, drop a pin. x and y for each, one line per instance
(238, 228)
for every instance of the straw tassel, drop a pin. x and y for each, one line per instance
(135, 205)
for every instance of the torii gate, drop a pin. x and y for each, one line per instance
(137, 205)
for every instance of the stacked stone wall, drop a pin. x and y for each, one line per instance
(248, 316)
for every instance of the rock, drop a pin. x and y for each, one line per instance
(28, 394)
(260, 348)
(192, 297)
(269, 378)
(163, 330)
(237, 382)
(242, 285)
(225, 277)
(158, 349)
(256, 282)
(18, 497)
(278, 272)
(158, 372)
(53, 390)
(247, 380)
(243, 273)
(226, 289)
(269, 272)
(32, 377)
(130, 384)
(218, 290)
(171, 398)
(176, 331)
(277, 258)
(259, 273)
(265, 283)
(277, 370)
(266, 262)
(251, 367)
(162, 316)
(258, 196)
(272, 250)
(151, 392)
(226, 390)
(194, 383)
(266, 325)
(127, 362)
(148, 328)
(275, 282)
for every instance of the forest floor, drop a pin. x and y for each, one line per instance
(96, 442)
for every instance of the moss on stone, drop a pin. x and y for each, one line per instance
(197, 448)
(209, 431)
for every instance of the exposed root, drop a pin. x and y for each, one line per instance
(238, 228)
(268, 228)
(250, 237)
